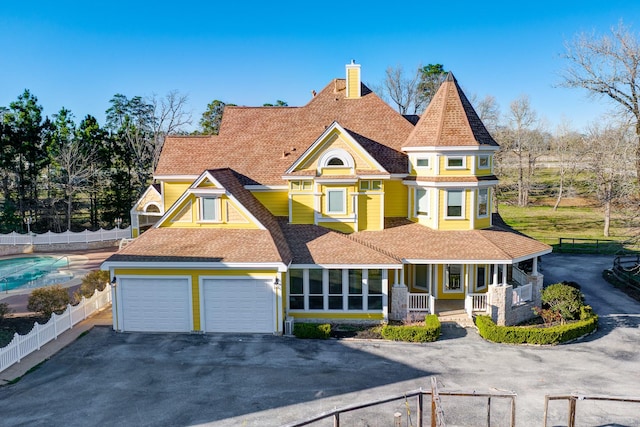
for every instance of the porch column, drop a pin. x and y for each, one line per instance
(495, 274)
(504, 274)
(534, 268)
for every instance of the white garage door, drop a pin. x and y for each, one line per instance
(155, 304)
(238, 305)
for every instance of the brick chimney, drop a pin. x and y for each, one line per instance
(353, 80)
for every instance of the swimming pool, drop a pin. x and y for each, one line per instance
(32, 272)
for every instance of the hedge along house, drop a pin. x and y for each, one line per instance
(341, 210)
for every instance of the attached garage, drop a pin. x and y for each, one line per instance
(238, 304)
(158, 304)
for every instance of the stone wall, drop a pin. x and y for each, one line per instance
(399, 296)
(500, 303)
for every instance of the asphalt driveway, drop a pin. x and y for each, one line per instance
(106, 378)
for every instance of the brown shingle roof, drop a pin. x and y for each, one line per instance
(200, 245)
(449, 120)
(258, 142)
(312, 244)
(410, 240)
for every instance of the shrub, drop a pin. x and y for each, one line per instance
(428, 332)
(532, 335)
(48, 300)
(4, 310)
(563, 299)
(312, 330)
(90, 282)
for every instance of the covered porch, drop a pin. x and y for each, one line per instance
(495, 289)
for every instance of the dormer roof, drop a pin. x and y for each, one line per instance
(449, 121)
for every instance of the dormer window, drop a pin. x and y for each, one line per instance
(209, 209)
(335, 161)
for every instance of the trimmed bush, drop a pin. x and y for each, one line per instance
(564, 299)
(90, 282)
(428, 332)
(5, 310)
(312, 330)
(533, 335)
(48, 300)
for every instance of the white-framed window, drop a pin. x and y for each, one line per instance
(453, 277)
(456, 162)
(455, 204)
(336, 289)
(335, 161)
(422, 201)
(337, 201)
(295, 185)
(209, 209)
(481, 277)
(483, 162)
(336, 158)
(421, 276)
(364, 185)
(483, 202)
(376, 185)
(307, 185)
(423, 163)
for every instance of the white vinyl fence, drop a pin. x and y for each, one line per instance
(50, 238)
(23, 345)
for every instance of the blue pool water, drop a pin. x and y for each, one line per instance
(32, 272)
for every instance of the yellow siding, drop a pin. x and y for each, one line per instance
(329, 316)
(369, 212)
(353, 80)
(187, 216)
(423, 171)
(482, 223)
(277, 201)
(173, 191)
(456, 172)
(484, 172)
(343, 227)
(302, 208)
(336, 171)
(395, 199)
(195, 281)
(454, 224)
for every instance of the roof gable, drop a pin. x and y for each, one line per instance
(335, 138)
(449, 121)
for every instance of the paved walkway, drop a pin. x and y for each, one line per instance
(17, 370)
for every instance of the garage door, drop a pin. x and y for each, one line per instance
(155, 305)
(238, 305)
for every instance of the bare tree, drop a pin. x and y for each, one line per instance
(608, 149)
(608, 66)
(402, 90)
(171, 117)
(566, 148)
(521, 139)
(489, 112)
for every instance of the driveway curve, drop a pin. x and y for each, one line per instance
(108, 378)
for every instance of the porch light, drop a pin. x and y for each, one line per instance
(276, 282)
(114, 281)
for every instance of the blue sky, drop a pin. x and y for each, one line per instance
(79, 54)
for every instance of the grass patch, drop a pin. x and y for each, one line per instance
(35, 368)
(578, 222)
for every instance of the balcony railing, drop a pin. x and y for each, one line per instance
(420, 303)
(522, 294)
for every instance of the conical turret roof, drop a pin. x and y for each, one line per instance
(449, 121)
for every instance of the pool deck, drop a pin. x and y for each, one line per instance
(80, 263)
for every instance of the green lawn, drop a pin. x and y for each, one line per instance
(548, 226)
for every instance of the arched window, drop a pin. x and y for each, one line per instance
(336, 157)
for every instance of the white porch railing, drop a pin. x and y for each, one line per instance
(522, 294)
(23, 345)
(50, 238)
(519, 276)
(420, 302)
(474, 303)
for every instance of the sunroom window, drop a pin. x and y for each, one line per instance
(337, 201)
(483, 202)
(422, 201)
